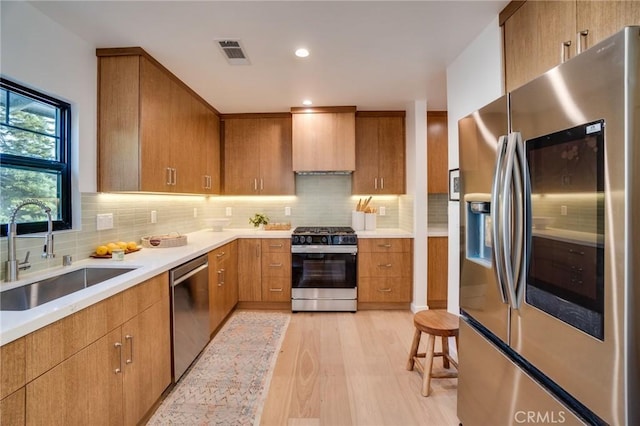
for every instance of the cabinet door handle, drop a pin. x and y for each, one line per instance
(375, 183)
(169, 175)
(576, 252)
(130, 339)
(220, 255)
(385, 265)
(381, 183)
(564, 47)
(175, 176)
(275, 265)
(220, 278)
(255, 184)
(275, 245)
(278, 290)
(581, 41)
(385, 245)
(257, 250)
(261, 184)
(118, 346)
(384, 290)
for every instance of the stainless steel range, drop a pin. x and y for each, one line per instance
(324, 269)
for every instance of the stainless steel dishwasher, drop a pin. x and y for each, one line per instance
(190, 312)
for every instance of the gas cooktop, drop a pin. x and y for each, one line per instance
(333, 230)
(324, 235)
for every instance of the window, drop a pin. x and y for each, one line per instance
(34, 158)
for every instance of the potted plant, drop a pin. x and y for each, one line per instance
(259, 220)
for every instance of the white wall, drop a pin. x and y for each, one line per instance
(416, 154)
(474, 79)
(37, 52)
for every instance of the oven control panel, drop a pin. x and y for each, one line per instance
(335, 240)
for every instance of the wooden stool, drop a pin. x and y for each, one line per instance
(433, 323)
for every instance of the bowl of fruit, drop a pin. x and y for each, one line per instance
(105, 251)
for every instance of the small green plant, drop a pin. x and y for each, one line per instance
(259, 219)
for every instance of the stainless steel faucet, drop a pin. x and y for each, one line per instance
(13, 266)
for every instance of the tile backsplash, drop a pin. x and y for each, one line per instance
(319, 200)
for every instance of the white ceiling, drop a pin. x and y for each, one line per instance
(375, 55)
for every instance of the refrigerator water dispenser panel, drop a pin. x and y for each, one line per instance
(479, 244)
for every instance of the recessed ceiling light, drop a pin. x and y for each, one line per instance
(302, 53)
(307, 102)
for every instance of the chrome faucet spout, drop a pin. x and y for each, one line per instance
(13, 266)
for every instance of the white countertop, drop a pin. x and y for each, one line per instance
(148, 262)
(385, 233)
(438, 230)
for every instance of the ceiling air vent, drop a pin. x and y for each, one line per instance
(233, 51)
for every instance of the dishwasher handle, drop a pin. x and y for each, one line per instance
(189, 274)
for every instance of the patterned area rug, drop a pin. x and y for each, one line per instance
(228, 384)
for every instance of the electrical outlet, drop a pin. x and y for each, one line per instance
(104, 221)
(154, 216)
(195, 212)
(228, 211)
(563, 210)
(383, 211)
(287, 211)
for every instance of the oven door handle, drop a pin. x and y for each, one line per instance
(324, 249)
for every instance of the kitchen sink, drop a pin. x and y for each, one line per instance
(35, 294)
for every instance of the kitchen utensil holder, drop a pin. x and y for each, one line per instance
(357, 220)
(370, 221)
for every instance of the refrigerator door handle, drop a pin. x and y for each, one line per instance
(498, 177)
(518, 238)
(506, 216)
(526, 226)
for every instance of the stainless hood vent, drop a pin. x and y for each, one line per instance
(233, 52)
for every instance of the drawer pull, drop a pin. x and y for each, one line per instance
(275, 265)
(275, 245)
(384, 290)
(385, 245)
(130, 338)
(279, 290)
(382, 265)
(118, 345)
(220, 255)
(580, 253)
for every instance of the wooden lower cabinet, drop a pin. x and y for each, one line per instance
(264, 270)
(12, 410)
(146, 354)
(437, 272)
(385, 270)
(106, 364)
(223, 283)
(84, 389)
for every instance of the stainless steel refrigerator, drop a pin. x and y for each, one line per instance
(550, 246)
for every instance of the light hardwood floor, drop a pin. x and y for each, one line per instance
(349, 369)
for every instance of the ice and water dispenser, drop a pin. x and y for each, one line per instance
(479, 244)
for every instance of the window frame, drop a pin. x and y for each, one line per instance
(63, 166)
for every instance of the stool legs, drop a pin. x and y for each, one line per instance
(428, 365)
(414, 349)
(445, 352)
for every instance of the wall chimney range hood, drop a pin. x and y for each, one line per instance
(324, 140)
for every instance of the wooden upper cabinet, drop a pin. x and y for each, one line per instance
(154, 133)
(380, 153)
(257, 154)
(534, 37)
(437, 153)
(597, 20)
(538, 35)
(324, 139)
